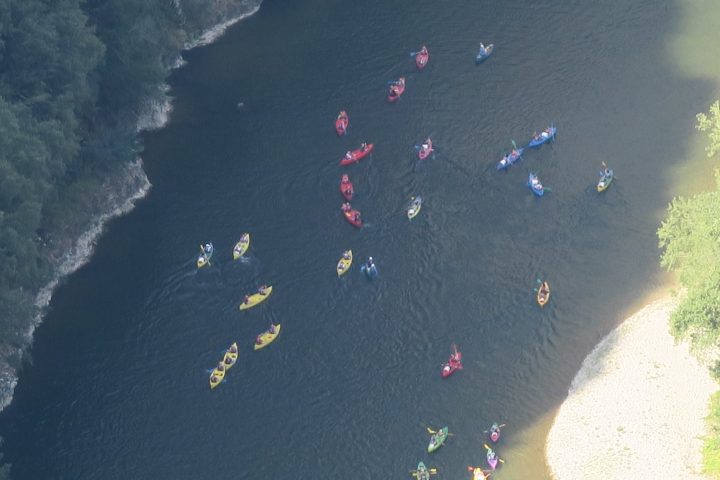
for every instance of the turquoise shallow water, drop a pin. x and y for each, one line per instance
(117, 387)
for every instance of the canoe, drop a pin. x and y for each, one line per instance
(543, 294)
(437, 439)
(535, 185)
(495, 432)
(425, 149)
(396, 89)
(242, 246)
(422, 472)
(352, 215)
(544, 136)
(255, 299)
(510, 158)
(343, 264)
(356, 155)
(492, 458)
(370, 272)
(414, 207)
(606, 179)
(206, 253)
(230, 356)
(217, 375)
(422, 57)
(454, 363)
(478, 473)
(341, 123)
(346, 188)
(267, 337)
(484, 53)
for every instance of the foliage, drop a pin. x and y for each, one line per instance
(711, 123)
(711, 447)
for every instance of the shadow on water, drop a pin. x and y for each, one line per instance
(118, 388)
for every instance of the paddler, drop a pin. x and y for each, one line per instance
(348, 155)
(262, 290)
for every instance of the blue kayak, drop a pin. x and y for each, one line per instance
(370, 272)
(510, 158)
(535, 185)
(484, 53)
(544, 136)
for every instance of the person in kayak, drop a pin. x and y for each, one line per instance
(363, 146)
(348, 155)
(221, 367)
(370, 263)
(208, 247)
(262, 290)
(357, 217)
(272, 328)
(258, 340)
(246, 300)
(346, 255)
(233, 349)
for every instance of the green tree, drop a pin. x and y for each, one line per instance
(710, 123)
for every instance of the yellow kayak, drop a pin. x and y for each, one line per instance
(267, 337)
(216, 377)
(242, 246)
(345, 262)
(255, 298)
(231, 355)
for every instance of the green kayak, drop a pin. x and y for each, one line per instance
(422, 472)
(437, 439)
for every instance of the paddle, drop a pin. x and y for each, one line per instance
(412, 54)
(202, 249)
(499, 426)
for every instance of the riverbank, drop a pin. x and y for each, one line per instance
(636, 408)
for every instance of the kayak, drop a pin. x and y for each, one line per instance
(352, 215)
(267, 337)
(341, 123)
(414, 207)
(422, 57)
(206, 253)
(510, 158)
(344, 263)
(437, 439)
(231, 355)
(453, 363)
(396, 89)
(346, 188)
(495, 432)
(478, 473)
(484, 53)
(216, 377)
(356, 155)
(422, 472)
(543, 294)
(535, 185)
(544, 136)
(492, 458)
(370, 272)
(425, 149)
(606, 179)
(242, 246)
(255, 299)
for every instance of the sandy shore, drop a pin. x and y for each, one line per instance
(635, 409)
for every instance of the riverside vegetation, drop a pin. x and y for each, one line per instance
(690, 238)
(75, 77)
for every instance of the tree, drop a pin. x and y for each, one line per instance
(711, 123)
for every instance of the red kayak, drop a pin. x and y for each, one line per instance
(453, 363)
(357, 155)
(352, 215)
(341, 123)
(422, 57)
(396, 89)
(425, 149)
(346, 188)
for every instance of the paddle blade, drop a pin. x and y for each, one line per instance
(430, 430)
(485, 445)
(501, 460)
(502, 425)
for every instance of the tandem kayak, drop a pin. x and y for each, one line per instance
(352, 215)
(535, 185)
(453, 363)
(357, 155)
(256, 298)
(510, 158)
(414, 207)
(425, 149)
(206, 253)
(542, 137)
(484, 53)
(231, 355)
(422, 472)
(267, 337)
(341, 123)
(344, 263)
(437, 439)
(396, 89)
(543, 294)
(346, 188)
(606, 178)
(478, 473)
(217, 375)
(242, 246)
(422, 57)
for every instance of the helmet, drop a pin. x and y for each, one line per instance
(370, 259)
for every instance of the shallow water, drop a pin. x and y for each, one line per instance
(118, 383)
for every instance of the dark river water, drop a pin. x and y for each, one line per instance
(117, 387)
